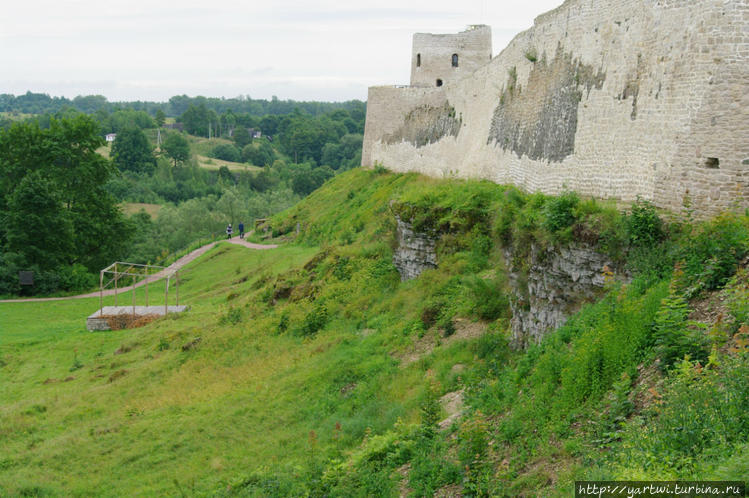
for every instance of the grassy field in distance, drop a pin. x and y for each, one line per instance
(134, 207)
(213, 163)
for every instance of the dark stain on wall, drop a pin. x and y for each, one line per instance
(426, 125)
(540, 120)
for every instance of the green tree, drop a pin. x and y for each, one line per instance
(36, 227)
(160, 118)
(225, 175)
(227, 152)
(269, 124)
(177, 148)
(195, 119)
(52, 195)
(304, 137)
(131, 151)
(228, 122)
(230, 206)
(260, 155)
(241, 136)
(262, 180)
(305, 179)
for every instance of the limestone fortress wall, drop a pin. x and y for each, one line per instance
(610, 98)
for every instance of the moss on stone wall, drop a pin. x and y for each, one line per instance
(540, 119)
(427, 124)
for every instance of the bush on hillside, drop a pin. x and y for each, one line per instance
(674, 335)
(712, 254)
(226, 152)
(644, 226)
(559, 212)
(315, 320)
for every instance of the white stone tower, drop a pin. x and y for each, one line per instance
(439, 59)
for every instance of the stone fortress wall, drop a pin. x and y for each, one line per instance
(610, 98)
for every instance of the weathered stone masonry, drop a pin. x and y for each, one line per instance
(611, 98)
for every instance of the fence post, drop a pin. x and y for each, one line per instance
(166, 297)
(101, 293)
(116, 278)
(133, 297)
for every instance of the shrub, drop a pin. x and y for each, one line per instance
(736, 299)
(430, 313)
(674, 335)
(489, 299)
(226, 152)
(233, 316)
(448, 327)
(712, 255)
(611, 421)
(315, 320)
(76, 278)
(644, 226)
(379, 169)
(283, 322)
(559, 211)
(700, 410)
(491, 346)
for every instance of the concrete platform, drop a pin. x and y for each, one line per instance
(124, 317)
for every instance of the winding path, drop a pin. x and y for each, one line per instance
(156, 276)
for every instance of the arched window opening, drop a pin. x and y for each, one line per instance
(455, 60)
(439, 82)
(418, 60)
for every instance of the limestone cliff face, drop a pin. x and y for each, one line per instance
(552, 285)
(548, 286)
(415, 252)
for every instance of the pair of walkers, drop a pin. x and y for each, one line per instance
(230, 230)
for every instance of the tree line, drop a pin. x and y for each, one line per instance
(60, 214)
(41, 103)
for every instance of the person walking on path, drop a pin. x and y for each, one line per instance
(241, 230)
(228, 231)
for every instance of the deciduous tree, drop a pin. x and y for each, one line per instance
(131, 151)
(177, 148)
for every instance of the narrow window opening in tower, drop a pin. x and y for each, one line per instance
(439, 82)
(455, 60)
(418, 60)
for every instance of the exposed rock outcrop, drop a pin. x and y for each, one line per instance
(548, 284)
(415, 252)
(552, 286)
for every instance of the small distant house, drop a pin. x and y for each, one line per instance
(110, 137)
(255, 133)
(175, 126)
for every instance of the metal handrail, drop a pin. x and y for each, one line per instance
(117, 275)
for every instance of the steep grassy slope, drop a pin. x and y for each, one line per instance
(263, 387)
(317, 371)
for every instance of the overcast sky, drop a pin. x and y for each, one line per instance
(301, 50)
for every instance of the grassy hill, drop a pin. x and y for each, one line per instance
(312, 369)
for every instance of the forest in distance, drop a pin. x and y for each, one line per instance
(197, 164)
